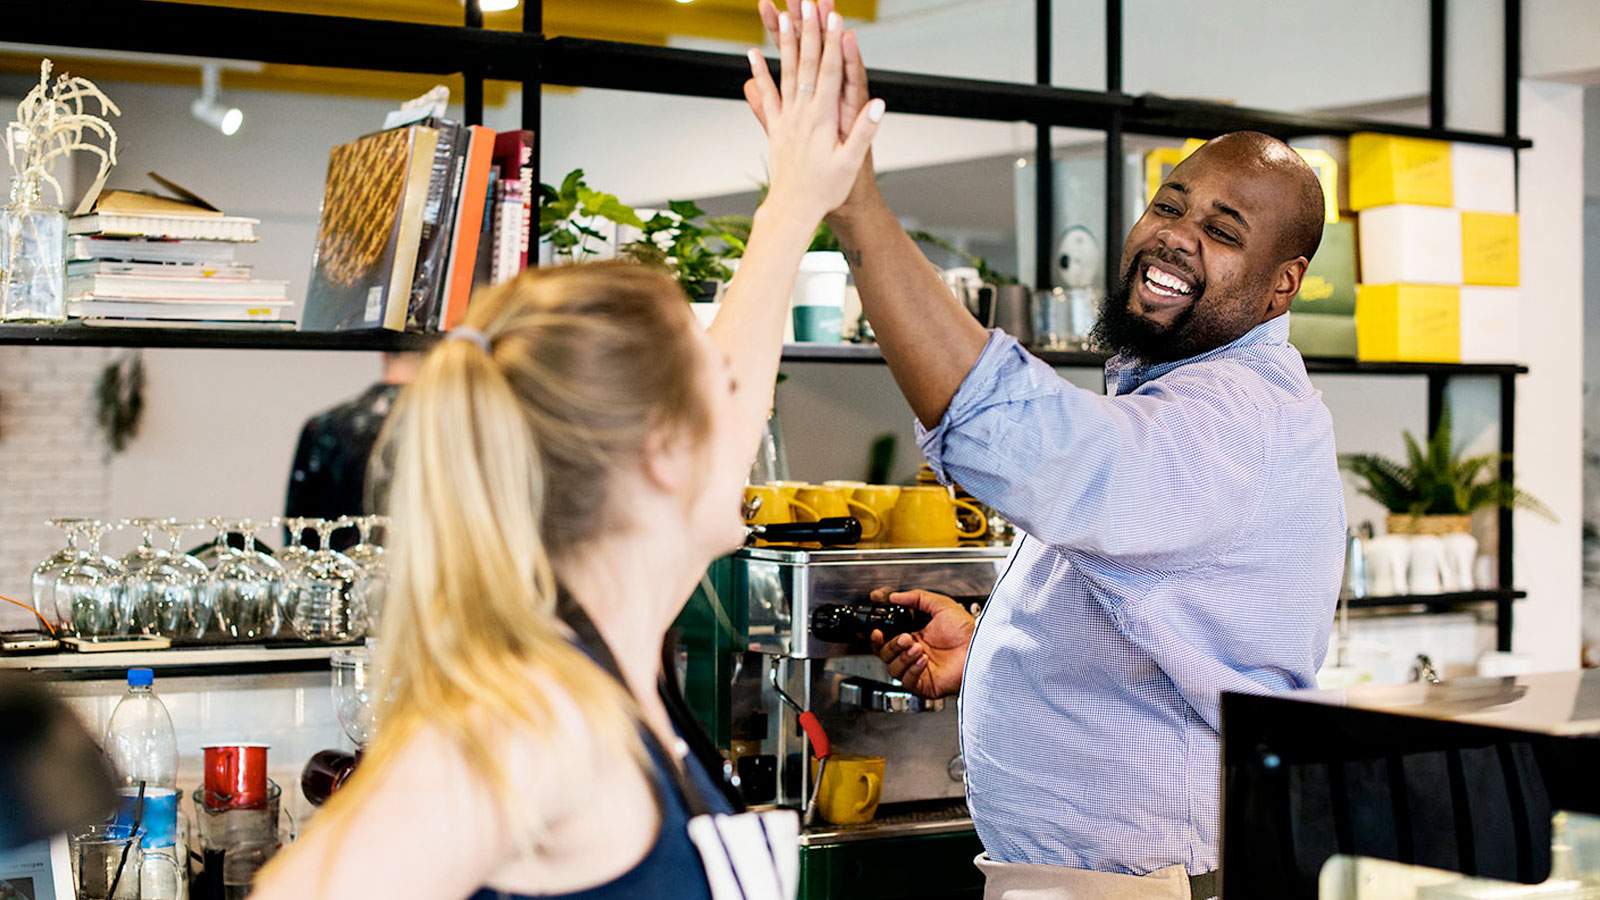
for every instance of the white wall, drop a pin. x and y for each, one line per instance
(1549, 412)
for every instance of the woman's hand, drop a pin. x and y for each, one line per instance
(818, 129)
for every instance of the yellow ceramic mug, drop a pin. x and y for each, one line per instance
(835, 501)
(925, 516)
(776, 506)
(851, 786)
(881, 498)
(789, 488)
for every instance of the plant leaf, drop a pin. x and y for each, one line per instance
(685, 209)
(572, 184)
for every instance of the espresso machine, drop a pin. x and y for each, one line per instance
(804, 620)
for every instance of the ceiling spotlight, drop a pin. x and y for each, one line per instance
(685, 1)
(494, 5)
(208, 107)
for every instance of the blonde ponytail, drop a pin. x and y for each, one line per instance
(502, 464)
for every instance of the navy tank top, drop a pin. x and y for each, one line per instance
(672, 869)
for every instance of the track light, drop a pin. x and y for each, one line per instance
(494, 5)
(208, 107)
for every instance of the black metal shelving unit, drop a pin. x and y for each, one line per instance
(1503, 601)
(241, 338)
(528, 57)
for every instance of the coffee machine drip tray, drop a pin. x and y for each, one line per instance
(908, 819)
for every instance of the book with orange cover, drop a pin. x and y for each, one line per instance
(370, 230)
(468, 226)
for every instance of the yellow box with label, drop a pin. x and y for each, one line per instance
(1408, 323)
(1386, 169)
(1490, 249)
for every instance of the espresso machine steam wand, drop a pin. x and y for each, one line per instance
(814, 733)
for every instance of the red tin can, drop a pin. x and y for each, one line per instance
(236, 774)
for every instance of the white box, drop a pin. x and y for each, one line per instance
(1484, 179)
(1405, 244)
(1491, 329)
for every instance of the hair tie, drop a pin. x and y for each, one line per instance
(469, 334)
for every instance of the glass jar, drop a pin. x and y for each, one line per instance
(33, 257)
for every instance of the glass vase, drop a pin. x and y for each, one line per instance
(33, 259)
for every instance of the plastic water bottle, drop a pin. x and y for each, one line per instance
(144, 750)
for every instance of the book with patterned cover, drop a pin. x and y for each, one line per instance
(371, 226)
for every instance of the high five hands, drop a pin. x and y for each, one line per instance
(819, 120)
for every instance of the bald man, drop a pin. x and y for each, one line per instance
(1182, 534)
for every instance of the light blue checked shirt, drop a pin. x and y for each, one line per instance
(1183, 536)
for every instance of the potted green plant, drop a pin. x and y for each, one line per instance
(569, 216)
(694, 252)
(1436, 491)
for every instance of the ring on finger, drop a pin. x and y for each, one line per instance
(808, 88)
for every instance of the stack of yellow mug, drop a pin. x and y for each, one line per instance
(891, 515)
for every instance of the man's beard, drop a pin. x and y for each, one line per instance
(1195, 330)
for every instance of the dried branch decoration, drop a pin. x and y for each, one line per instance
(53, 122)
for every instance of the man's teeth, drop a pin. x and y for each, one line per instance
(1159, 280)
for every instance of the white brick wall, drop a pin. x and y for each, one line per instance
(52, 457)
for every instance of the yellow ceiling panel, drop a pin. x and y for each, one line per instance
(655, 19)
(272, 77)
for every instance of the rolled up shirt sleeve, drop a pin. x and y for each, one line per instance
(1165, 474)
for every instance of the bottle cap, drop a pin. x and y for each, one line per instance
(141, 677)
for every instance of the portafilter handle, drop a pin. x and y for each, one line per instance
(832, 531)
(854, 623)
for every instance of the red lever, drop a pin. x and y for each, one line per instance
(818, 737)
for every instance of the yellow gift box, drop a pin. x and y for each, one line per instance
(1386, 169)
(1408, 323)
(1490, 249)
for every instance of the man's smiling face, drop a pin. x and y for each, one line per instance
(1215, 254)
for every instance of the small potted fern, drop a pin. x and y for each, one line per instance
(1436, 491)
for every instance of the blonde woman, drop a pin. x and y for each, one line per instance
(566, 466)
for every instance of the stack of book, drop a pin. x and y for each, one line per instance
(138, 258)
(413, 219)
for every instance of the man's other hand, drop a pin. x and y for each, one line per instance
(853, 95)
(929, 663)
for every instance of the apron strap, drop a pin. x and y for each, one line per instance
(702, 749)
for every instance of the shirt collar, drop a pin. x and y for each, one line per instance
(1125, 374)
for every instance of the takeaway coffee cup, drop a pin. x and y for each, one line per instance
(817, 304)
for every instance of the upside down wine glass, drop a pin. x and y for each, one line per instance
(324, 601)
(159, 589)
(245, 584)
(45, 574)
(374, 563)
(295, 551)
(89, 591)
(197, 617)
